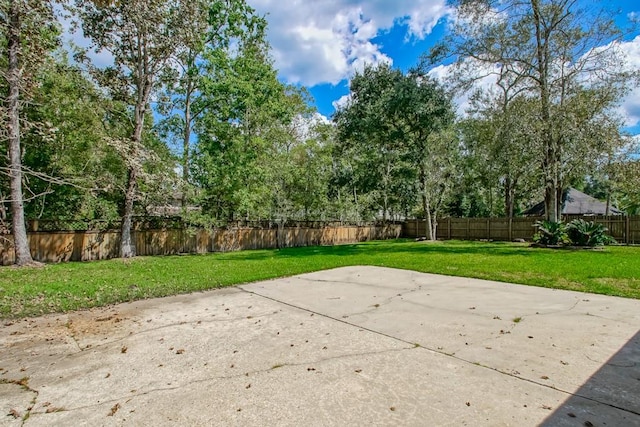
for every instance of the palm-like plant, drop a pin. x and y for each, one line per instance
(588, 233)
(551, 233)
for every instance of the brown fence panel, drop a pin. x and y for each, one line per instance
(623, 229)
(633, 225)
(95, 245)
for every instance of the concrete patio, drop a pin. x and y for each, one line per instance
(350, 346)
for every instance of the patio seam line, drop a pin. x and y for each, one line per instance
(442, 353)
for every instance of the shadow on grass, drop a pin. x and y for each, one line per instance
(610, 397)
(377, 248)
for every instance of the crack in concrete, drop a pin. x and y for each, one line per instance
(24, 385)
(72, 335)
(452, 355)
(304, 279)
(386, 301)
(159, 328)
(248, 374)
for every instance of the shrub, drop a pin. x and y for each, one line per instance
(588, 233)
(551, 233)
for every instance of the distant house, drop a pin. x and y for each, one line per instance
(575, 202)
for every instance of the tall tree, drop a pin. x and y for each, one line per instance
(398, 130)
(71, 168)
(244, 107)
(424, 108)
(204, 26)
(142, 38)
(554, 49)
(29, 33)
(368, 132)
(501, 138)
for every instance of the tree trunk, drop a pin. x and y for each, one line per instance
(144, 85)
(509, 196)
(550, 162)
(127, 245)
(425, 204)
(431, 224)
(18, 227)
(434, 227)
(186, 141)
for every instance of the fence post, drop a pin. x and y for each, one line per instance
(627, 230)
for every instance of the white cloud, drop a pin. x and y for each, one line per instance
(305, 127)
(100, 58)
(341, 102)
(326, 41)
(486, 81)
(630, 108)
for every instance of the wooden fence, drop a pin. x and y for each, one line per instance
(625, 229)
(63, 246)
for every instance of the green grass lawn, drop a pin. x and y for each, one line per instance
(63, 287)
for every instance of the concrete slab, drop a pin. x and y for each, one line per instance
(350, 346)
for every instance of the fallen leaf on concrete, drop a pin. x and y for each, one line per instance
(123, 349)
(468, 403)
(547, 407)
(14, 413)
(53, 409)
(113, 410)
(544, 377)
(180, 351)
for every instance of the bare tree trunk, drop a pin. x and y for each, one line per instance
(434, 227)
(143, 84)
(429, 222)
(186, 140)
(509, 196)
(18, 227)
(550, 163)
(425, 204)
(127, 245)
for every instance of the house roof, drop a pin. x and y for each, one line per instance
(576, 202)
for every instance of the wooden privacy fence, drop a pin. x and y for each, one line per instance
(62, 246)
(625, 229)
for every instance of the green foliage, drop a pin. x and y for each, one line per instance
(396, 133)
(574, 82)
(551, 233)
(588, 233)
(71, 167)
(578, 232)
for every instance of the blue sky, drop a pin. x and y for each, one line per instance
(320, 44)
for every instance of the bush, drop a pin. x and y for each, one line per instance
(551, 233)
(588, 233)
